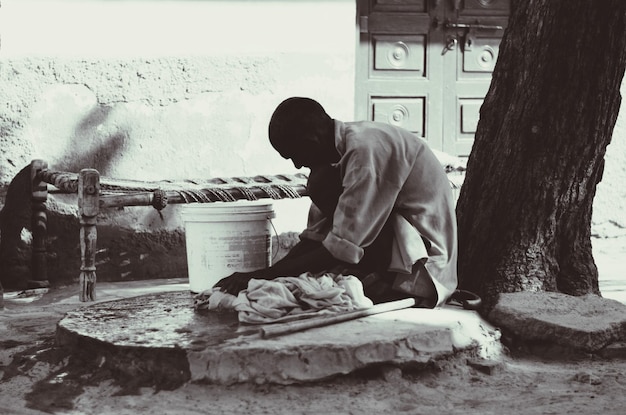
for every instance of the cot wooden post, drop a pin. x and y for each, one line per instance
(39, 226)
(88, 208)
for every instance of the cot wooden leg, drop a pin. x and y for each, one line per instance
(39, 226)
(88, 208)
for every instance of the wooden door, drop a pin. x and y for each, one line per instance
(426, 65)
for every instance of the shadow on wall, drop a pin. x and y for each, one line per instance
(88, 148)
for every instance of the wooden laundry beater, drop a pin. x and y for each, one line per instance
(279, 329)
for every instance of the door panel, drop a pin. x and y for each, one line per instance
(393, 54)
(480, 55)
(398, 71)
(466, 88)
(478, 26)
(426, 65)
(407, 113)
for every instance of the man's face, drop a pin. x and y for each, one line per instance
(307, 152)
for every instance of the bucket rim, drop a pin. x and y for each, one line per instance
(229, 206)
(227, 211)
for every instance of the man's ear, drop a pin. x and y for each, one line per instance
(311, 138)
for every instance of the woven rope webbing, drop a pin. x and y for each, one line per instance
(201, 191)
(190, 190)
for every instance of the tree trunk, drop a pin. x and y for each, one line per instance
(524, 210)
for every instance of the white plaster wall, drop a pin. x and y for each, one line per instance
(167, 89)
(609, 206)
(153, 28)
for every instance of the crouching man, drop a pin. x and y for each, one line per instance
(382, 207)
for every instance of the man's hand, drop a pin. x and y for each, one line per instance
(234, 283)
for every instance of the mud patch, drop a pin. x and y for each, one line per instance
(47, 394)
(59, 375)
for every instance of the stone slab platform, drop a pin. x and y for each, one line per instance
(161, 337)
(589, 323)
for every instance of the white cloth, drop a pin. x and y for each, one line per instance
(289, 298)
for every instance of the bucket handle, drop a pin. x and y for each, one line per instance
(277, 239)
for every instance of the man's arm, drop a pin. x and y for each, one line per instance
(305, 256)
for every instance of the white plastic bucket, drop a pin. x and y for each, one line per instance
(226, 237)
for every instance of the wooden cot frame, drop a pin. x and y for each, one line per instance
(96, 193)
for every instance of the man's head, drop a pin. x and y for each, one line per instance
(301, 130)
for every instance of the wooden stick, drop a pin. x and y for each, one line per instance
(300, 325)
(88, 195)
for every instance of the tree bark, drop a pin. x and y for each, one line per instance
(524, 211)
